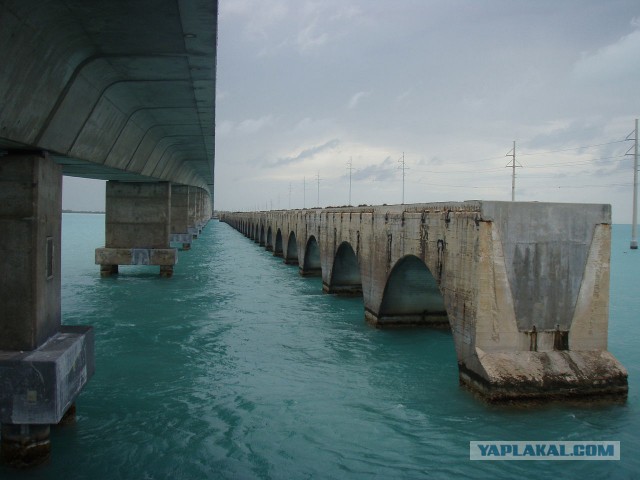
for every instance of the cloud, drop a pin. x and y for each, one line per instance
(260, 17)
(619, 61)
(403, 96)
(355, 99)
(248, 126)
(305, 154)
(576, 133)
(377, 172)
(309, 37)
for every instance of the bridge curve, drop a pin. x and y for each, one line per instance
(524, 287)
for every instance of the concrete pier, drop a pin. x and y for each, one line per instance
(133, 104)
(190, 212)
(138, 222)
(524, 287)
(180, 218)
(43, 364)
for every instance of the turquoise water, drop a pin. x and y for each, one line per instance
(238, 368)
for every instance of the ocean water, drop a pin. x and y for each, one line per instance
(238, 368)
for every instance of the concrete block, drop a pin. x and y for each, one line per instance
(40, 385)
(136, 256)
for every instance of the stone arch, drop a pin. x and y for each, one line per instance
(412, 296)
(311, 265)
(291, 255)
(345, 274)
(277, 247)
(269, 240)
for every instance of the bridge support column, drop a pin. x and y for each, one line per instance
(180, 216)
(138, 222)
(43, 364)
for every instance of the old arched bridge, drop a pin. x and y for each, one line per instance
(523, 286)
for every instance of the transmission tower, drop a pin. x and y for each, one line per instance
(350, 168)
(634, 223)
(513, 164)
(403, 167)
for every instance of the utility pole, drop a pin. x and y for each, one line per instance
(350, 168)
(304, 192)
(289, 195)
(634, 223)
(318, 178)
(513, 164)
(403, 166)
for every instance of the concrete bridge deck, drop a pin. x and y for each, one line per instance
(524, 287)
(118, 90)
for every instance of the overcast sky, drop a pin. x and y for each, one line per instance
(305, 87)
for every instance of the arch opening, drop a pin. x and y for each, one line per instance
(269, 241)
(412, 296)
(277, 248)
(311, 263)
(291, 255)
(345, 275)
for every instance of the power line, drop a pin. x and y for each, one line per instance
(573, 148)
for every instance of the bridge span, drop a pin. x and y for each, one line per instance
(524, 287)
(118, 90)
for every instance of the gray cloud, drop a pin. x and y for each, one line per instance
(453, 82)
(379, 172)
(305, 154)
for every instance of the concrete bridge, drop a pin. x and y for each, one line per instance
(118, 90)
(524, 287)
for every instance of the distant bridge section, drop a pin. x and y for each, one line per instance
(524, 287)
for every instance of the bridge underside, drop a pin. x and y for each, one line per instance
(114, 90)
(118, 90)
(524, 287)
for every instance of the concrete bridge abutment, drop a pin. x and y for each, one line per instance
(524, 287)
(43, 364)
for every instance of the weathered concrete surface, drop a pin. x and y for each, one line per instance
(40, 385)
(138, 221)
(43, 365)
(30, 227)
(523, 286)
(118, 90)
(190, 212)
